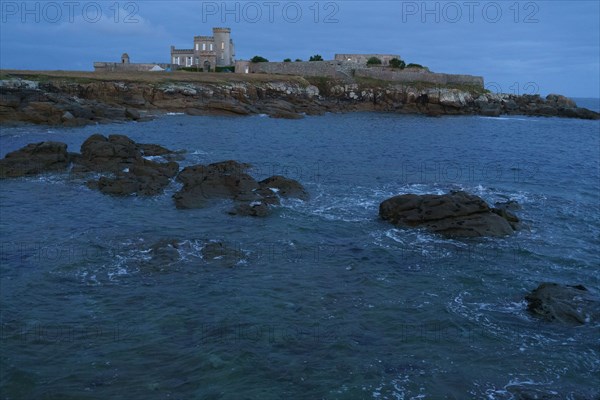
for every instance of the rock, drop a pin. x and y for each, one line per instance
(223, 180)
(560, 101)
(490, 110)
(229, 180)
(452, 214)
(35, 158)
(67, 116)
(115, 153)
(112, 154)
(221, 254)
(253, 209)
(221, 107)
(285, 187)
(132, 114)
(572, 305)
(144, 178)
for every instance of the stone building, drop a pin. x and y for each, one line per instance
(208, 52)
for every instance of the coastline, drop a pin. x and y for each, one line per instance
(76, 98)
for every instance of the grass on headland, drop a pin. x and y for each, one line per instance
(147, 77)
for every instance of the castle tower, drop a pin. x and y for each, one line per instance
(125, 58)
(223, 46)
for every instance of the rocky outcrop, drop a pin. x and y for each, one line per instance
(124, 158)
(230, 180)
(64, 101)
(144, 177)
(571, 305)
(120, 157)
(35, 158)
(452, 214)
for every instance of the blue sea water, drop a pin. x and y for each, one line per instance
(325, 300)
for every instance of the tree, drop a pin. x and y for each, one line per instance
(373, 61)
(397, 63)
(411, 65)
(298, 60)
(316, 57)
(287, 60)
(258, 59)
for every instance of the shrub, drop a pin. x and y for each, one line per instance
(397, 63)
(373, 61)
(298, 60)
(411, 65)
(224, 69)
(258, 59)
(287, 60)
(316, 57)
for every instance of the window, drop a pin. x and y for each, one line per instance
(211, 47)
(197, 61)
(222, 45)
(197, 47)
(222, 56)
(203, 46)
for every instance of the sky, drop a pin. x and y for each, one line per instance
(521, 47)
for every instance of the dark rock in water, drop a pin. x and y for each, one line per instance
(221, 254)
(254, 209)
(567, 304)
(224, 180)
(452, 214)
(285, 187)
(133, 174)
(115, 153)
(229, 180)
(35, 158)
(112, 154)
(145, 178)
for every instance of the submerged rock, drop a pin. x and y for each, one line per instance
(35, 158)
(452, 214)
(573, 305)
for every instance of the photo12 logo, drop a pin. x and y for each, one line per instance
(453, 12)
(270, 11)
(55, 12)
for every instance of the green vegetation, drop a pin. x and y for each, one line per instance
(316, 57)
(225, 69)
(191, 69)
(287, 60)
(412, 65)
(298, 60)
(397, 63)
(373, 61)
(258, 59)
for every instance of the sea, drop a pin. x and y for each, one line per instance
(322, 299)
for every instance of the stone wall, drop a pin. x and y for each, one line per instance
(131, 67)
(347, 70)
(420, 76)
(304, 68)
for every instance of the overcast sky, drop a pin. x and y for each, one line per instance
(519, 47)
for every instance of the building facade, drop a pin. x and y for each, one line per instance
(208, 52)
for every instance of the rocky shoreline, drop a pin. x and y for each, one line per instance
(65, 100)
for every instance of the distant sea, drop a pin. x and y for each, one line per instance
(325, 300)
